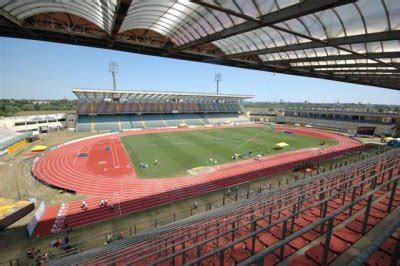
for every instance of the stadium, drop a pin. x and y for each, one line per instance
(151, 177)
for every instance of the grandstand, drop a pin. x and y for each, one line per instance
(103, 110)
(313, 221)
(9, 137)
(345, 121)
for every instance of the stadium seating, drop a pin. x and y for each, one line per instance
(8, 137)
(106, 123)
(193, 119)
(126, 122)
(113, 116)
(273, 226)
(137, 121)
(83, 108)
(83, 123)
(170, 107)
(224, 118)
(341, 125)
(172, 120)
(153, 121)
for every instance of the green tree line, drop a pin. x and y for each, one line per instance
(10, 107)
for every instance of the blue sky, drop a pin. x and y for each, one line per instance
(41, 70)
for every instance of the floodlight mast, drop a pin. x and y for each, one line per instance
(113, 68)
(218, 78)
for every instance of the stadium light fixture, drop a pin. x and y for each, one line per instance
(218, 78)
(113, 68)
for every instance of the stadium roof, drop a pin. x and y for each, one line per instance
(85, 94)
(345, 40)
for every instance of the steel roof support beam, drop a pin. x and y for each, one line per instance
(395, 71)
(346, 65)
(333, 57)
(294, 11)
(121, 10)
(327, 44)
(372, 37)
(17, 22)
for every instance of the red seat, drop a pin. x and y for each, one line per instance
(380, 206)
(372, 221)
(267, 238)
(337, 245)
(277, 232)
(239, 253)
(302, 222)
(356, 226)
(347, 235)
(379, 258)
(389, 246)
(270, 259)
(287, 251)
(310, 235)
(258, 245)
(377, 213)
(311, 218)
(315, 253)
(302, 260)
(299, 243)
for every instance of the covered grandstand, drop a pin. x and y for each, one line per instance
(105, 110)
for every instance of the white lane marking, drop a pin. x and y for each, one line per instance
(114, 151)
(76, 157)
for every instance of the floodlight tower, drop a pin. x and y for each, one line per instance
(113, 68)
(218, 78)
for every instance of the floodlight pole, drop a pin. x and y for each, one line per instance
(218, 78)
(113, 68)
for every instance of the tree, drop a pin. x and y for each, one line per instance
(28, 107)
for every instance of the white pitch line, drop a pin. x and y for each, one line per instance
(244, 143)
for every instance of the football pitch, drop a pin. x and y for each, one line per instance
(178, 152)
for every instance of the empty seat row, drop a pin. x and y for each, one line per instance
(130, 108)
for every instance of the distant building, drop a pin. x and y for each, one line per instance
(350, 121)
(36, 123)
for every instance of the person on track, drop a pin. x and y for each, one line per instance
(103, 203)
(84, 205)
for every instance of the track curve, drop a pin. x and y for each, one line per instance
(114, 177)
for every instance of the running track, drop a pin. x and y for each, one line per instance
(109, 174)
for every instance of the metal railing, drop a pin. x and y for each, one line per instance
(340, 180)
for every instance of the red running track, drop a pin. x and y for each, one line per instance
(109, 174)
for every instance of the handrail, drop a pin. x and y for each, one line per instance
(286, 188)
(376, 243)
(315, 224)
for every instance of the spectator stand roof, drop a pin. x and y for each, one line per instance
(355, 41)
(154, 96)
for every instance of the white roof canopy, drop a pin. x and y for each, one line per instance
(143, 95)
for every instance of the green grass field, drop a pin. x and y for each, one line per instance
(177, 152)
